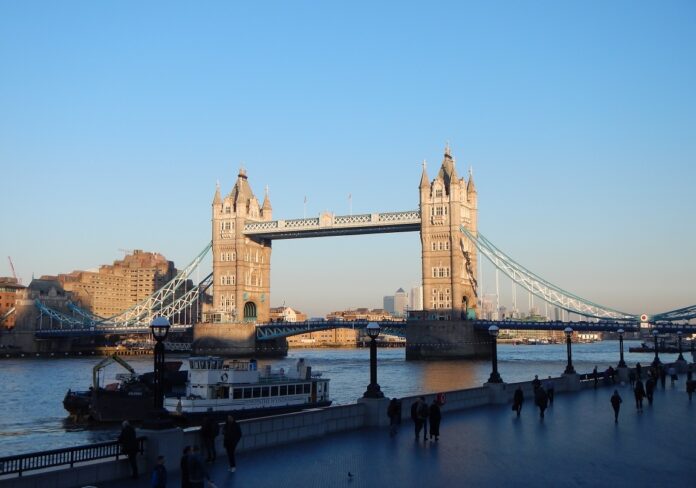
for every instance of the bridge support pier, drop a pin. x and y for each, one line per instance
(446, 339)
(235, 340)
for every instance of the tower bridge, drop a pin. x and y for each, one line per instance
(243, 230)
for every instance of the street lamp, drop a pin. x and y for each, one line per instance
(622, 363)
(160, 329)
(656, 361)
(679, 336)
(495, 377)
(569, 368)
(373, 389)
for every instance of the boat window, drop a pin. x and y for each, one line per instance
(306, 388)
(283, 390)
(257, 391)
(274, 391)
(247, 392)
(237, 393)
(265, 392)
(291, 389)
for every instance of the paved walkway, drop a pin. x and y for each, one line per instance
(576, 445)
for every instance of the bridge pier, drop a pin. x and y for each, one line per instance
(446, 339)
(234, 339)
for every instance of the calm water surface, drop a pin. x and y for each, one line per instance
(33, 417)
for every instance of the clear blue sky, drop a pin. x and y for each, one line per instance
(579, 119)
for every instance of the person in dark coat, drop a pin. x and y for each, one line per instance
(417, 422)
(690, 387)
(209, 431)
(650, 384)
(616, 405)
(639, 393)
(197, 472)
(548, 385)
(517, 400)
(536, 382)
(632, 378)
(639, 370)
(394, 414)
(129, 446)
(423, 413)
(183, 465)
(159, 474)
(232, 434)
(595, 377)
(663, 376)
(435, 415)
(542, 400)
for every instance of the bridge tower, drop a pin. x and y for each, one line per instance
(449, 260)
(241, 265)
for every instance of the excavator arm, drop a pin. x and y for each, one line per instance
(104, 363)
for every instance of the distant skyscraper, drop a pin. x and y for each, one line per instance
(400, 302)
(388, 304)
(415, 298)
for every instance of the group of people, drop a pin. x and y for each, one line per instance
(194, 473)
(543, 396)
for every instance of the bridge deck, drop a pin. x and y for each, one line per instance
(577, 445)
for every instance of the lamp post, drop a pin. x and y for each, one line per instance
(495, 377)
(679, 345)
(656, 361)
(373, 389)
(569, 368)
(160, 329)
(622, 363)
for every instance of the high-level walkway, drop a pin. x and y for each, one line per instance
(576, 445)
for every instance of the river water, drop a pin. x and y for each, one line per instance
(33, 418)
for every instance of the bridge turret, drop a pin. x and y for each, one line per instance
(217, 199)
(266, 209)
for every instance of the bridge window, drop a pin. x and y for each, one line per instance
(446, 245)
(434, 246)
(234, 256)
(233, 279)
(438, 193)
(228, 209)
(438, 210)
(257, 392)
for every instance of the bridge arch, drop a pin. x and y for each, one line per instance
(249, 312)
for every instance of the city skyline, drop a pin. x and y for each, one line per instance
(579, 135)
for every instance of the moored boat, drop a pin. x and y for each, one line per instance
(218, 388)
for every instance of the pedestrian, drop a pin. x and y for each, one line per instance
(197, 472)
(595, 376)
(690, 387)
(517, 400)
(159, 474)
(542, 400)
(209, 431)
(435, 415)
(632, 378)
(394, 416)
(650, 384)
(639, 370)
(663, 376)
(183, 465)
(536, 382)
(129, 446)
(616, 405)
(423, 413)
(548, 386)
(672, 374)
(417, 422)
(639, 393)
(232, 434)
(690, 373)
(612, 374)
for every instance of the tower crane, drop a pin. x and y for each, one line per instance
(14, 273)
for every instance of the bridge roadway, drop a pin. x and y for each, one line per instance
(576, 445)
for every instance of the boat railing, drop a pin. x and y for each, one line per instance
(69, 456)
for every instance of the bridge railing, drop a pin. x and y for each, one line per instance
(63, 457)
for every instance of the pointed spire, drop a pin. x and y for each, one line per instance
(470, 188)
(448, 154)
(266, 200)
(424, 182)
(217, 199)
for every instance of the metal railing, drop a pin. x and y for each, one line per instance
(63, 457)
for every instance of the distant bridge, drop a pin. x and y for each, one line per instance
(276, 330)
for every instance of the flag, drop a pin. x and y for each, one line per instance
(305, 199)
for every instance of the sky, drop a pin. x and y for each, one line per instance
(578, 118)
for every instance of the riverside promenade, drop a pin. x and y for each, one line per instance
(576, 445)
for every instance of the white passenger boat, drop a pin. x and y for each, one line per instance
(219, 387)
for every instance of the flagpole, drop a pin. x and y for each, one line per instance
(304, 212)
(350, 204)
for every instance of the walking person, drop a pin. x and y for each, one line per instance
(232, 434)
(129, 446)
(616, 405)
(394, 414)
(672, 374)
(159, 474)
(542, 400)
(183, 466)
(197, 471)
(536, 382)
(423, 413)
(209, 431)
(517, 400)
(650, 384)
(639, 393)
(632, 378)
(595, 376)
(548, 386)
(417, 422)
(639, 370)
(690, 387)
(435, 416)
(663, 376)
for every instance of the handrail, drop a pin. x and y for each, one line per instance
(63, 457)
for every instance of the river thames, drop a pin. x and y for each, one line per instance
(33, 417)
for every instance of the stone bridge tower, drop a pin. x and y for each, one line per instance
(449, 259)
(241, 265)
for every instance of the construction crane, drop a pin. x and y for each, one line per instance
(14, 274)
